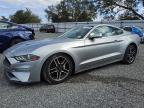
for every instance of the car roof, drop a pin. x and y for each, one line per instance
(109, 25)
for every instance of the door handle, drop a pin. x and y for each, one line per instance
(118, 40)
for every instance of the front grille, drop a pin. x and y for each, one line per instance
(6, 62)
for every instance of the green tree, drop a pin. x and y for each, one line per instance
(24, 16)
(128, 16)
(72, 10)
(106, 7)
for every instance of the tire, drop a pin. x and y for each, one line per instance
(57, 69)
(130, 54)
(15, 41)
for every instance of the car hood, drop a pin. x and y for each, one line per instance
(28, 46)
(27, 28)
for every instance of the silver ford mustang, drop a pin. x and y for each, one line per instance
(81, 48)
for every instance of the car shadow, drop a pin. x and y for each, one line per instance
(85, 76)
(101, 78)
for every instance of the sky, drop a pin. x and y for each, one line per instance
(9, 7)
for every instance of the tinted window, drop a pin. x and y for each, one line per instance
(4, 25)
(128, 29)
(7, 25)
(50, 26)
(116, 31)
(44, 26)
(107, 31)
(47, 26)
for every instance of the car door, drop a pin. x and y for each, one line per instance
(103, 47)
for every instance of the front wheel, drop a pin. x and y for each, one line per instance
(130, 54)
(57, 69)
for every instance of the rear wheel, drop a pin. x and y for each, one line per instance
(15, 41)
(57, 69)
(130, 54)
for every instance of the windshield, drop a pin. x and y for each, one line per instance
(6, 25)
(77, 32)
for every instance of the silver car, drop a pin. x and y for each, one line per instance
(81, 48)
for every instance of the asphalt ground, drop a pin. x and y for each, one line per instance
(112, 86)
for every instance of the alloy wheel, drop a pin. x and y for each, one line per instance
(59, 68)
(131, 54)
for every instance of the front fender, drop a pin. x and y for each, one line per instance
(74, 57)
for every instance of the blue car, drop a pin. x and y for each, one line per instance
(11, 34)
(136, 30)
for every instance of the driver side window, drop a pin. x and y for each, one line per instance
(105, 31)
(96, 33)
(101, 31)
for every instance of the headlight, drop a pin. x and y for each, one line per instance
(27, 58)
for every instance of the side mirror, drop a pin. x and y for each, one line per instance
(92, 36)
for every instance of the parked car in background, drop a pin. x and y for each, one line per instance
(81, 48)
(11, 34)
(136, 30)
(47, 28)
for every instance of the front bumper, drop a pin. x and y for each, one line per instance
(21, 72)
